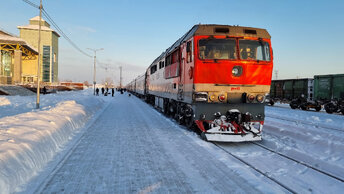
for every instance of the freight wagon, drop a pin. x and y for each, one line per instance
(328, 87)
(289, 89)
(327, 90)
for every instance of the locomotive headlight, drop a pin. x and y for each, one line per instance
(237, 71)
(212, 97)
(222, 97)
(201, 96)
(250, 97)
(260, 98)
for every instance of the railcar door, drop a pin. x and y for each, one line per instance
(182, 55)
(186, 72)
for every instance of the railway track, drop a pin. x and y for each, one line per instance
(257, 170)
(304, 122)
(284, 156)
(299, 162)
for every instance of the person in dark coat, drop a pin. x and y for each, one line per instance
(103, 90)
(44, 90)
(113, 91)
(97, 91)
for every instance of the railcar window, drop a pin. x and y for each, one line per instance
(175, 57)
(168, 60)
(153, 69)
(217, 49)
(161, 65)
(189, 52)
(254, 50)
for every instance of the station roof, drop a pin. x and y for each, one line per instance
(10, 42)
(34, 25)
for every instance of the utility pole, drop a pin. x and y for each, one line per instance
(94, 68)
(39, 54)
(120, 77)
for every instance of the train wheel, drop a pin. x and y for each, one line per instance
(172, 111)
(293, 106)
(330, 108)
(271, 102)
(318, 108)
(189, 122)
(179, 119)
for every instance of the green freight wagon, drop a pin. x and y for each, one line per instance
(290, 89)
(327, 87)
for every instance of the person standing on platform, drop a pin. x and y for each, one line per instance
(113, 91)
(97, 91)
(102, 90)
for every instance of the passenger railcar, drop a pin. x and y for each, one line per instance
(215, 77)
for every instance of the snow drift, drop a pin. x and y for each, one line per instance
(29, 140)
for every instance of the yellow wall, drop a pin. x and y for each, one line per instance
(55, 46)
(48, 38)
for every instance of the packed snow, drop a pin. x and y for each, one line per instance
(29, 138)
(78, 143)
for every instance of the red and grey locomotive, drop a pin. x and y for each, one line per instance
(215, 77)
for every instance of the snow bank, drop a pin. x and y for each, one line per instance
(29, 140)
(4, 101)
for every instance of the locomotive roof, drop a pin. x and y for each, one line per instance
(216, 30)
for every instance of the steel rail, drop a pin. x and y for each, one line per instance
(298, 161)
(256, 169)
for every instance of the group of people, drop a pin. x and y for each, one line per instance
(105, 91)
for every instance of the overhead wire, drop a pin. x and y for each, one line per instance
(45, 13)
(30, 3)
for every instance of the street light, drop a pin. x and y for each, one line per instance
(39, 55)
(94, 70)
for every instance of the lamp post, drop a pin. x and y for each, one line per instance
(94, 68)
(39, 54)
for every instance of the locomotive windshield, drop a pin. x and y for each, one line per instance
(254, 50)
(217, 49)
(226, 49)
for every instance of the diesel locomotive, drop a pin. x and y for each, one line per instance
(215, 78)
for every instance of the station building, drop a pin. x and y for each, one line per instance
(14, 51)
(49, 52)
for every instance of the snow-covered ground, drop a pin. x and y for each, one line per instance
(29, 138)
(78, 143)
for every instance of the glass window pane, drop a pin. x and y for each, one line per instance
(217, 49)
(254, 50)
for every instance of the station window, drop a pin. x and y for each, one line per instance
(54, 58)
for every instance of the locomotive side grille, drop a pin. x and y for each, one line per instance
(221, 30)
(247, 31)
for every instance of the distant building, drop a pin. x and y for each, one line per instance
(14, 51)
(49, 51)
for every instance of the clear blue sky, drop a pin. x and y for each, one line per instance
(307, 35)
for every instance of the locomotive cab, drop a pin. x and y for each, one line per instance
(231, 80)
